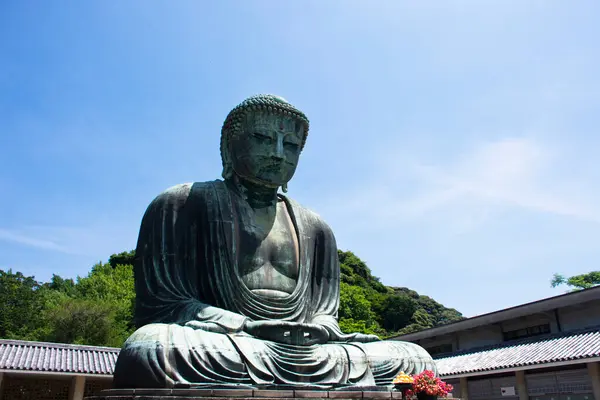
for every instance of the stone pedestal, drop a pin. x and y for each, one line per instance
(241, 394)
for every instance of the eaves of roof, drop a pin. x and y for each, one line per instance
(561, 348)
(19, 355)
(539, 306)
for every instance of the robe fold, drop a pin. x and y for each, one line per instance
(186, 270)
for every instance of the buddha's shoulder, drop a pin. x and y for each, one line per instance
(187, 191)
(309, 215)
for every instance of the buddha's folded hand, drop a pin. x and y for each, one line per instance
(354, 337)
(300, 334)
(364, 338)
(206, 326)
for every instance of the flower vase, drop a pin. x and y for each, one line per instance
(401, 387)
(425, 396)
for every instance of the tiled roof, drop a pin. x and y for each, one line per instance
(564, 347)
(54, 357)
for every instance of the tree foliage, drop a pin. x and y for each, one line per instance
(577, 282)
(368, 306)
(83, 321)
(21, 304)
(97, 309)
(123, 258)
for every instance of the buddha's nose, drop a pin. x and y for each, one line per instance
(277, 157)
(277, 153)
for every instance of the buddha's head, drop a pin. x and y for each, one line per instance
(261, 141)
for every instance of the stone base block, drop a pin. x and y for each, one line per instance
(242, 394)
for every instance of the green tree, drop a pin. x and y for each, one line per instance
(411, 328)
(123, 258)
(83, 321)
(423, 318)
(21, 305)
(577, 282)
(113, 286)
(57, 283)
(96, 310)
(353, 303)
(447, 316)
(349, 325)
(389, 309)
(356, 272)
(398, 311)
(355, 314)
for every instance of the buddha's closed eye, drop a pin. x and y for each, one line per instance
(263, 136)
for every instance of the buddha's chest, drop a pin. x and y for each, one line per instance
(268, 256)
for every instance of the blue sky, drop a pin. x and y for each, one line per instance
(453, 145)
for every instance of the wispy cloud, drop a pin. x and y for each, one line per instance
(27, 240)
(510, 172)
(513, 172)
(99, 240)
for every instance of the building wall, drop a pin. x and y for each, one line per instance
(456, 389)
(482, 336)
(562, 383)
(32, 386)
(569, 318)
(429, 343)
(95, 386)
(24, 387)
(531, 320)
(488, 388)
(581, 316)
(541, 384)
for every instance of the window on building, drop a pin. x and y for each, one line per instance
(442, 348)
(527, 332)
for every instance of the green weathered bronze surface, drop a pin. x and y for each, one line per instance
(237, 284)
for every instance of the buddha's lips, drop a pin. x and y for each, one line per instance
(268, 159)
(272, 166)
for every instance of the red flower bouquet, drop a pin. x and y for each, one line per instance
(427, 385)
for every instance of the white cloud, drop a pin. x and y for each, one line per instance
(510, 172)
(515, 172)
(96, 240)
(27, 240)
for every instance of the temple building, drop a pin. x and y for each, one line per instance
(545, 350)
(52, 371)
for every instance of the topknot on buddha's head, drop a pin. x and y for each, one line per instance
(264, 103)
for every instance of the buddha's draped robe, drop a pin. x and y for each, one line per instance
(186, 269)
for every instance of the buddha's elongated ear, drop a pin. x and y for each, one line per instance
(226, 160)
(284, 188)
(226, 154)
(227, 171)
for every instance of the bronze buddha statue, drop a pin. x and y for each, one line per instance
(237, 284)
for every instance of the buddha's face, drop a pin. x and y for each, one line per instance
(267, 150)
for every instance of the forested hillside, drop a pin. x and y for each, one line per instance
(98, 309)
(367, 305)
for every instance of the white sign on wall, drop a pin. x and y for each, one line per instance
(508, 391)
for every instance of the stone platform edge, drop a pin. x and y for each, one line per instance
(240, 394)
